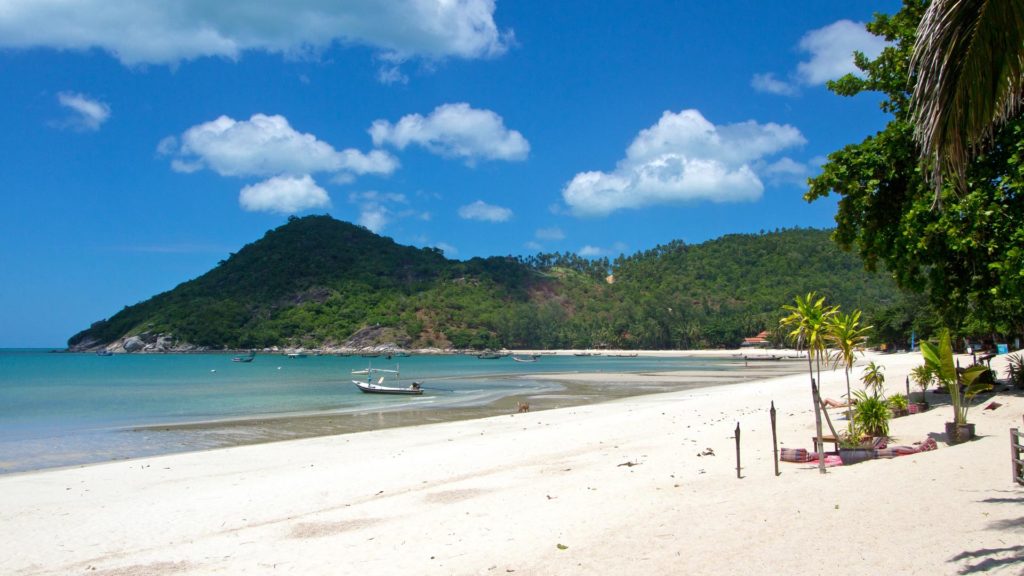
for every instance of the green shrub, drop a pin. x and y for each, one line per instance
(871, 414)
(898, 402)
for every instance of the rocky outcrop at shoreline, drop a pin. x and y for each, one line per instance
(144, 342)
(365, 341)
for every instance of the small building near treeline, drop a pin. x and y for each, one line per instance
(759, 341)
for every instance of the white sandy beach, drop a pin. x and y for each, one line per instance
(614, 488)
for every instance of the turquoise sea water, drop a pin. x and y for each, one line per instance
(59, 409)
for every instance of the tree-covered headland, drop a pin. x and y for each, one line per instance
(317, 281)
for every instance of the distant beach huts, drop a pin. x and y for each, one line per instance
(759, 341)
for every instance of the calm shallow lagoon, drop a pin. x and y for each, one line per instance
(60, 409)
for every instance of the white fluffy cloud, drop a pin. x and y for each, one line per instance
(166, 32)
(481, 210)
(547, 234)
(268, 146)
(88, 113)
(831, 51)
(550, 234)
(264, 146)
(284, 194)
(786, 167)
(379, 197)
(391, 74)
(454, 130)
(375, 217)
(772, 85)
(378, 209)
(682, 158)
(447, 248)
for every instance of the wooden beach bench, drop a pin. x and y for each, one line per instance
(831, 439)
(826, 439)
(834, 437)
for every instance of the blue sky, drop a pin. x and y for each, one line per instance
(144, 142)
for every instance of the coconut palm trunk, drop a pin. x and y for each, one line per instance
(808, 319)
(846, 334)
(849, 404)
(816, 397)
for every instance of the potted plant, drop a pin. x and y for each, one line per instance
(922, 376)
(871, 414)
(962, 388)
(853, 448)
(898, 405)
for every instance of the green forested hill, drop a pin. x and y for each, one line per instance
(316, 281)
(734, 286)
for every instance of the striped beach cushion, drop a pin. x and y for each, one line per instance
(894, 451)
(794, 455)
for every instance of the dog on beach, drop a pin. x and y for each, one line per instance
(524, 407)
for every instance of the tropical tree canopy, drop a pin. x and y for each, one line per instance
(968, 60)
(969, 257)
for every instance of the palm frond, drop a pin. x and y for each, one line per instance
(968, 60)
(807, 321)
(846, 334)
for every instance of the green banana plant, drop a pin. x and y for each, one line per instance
(939, 358)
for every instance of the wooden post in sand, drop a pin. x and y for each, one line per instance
(775, 441)
(1016, 448)
(908, 388)
(817, 425)
(738, 450)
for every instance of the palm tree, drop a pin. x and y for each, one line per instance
(847, 335)
(969, 63)
(807, 322)
(873, 378)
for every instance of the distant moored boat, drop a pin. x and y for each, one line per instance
(371, 387)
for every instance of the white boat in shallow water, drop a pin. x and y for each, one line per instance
(379, 387)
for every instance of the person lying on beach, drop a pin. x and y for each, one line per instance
(833, 403)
